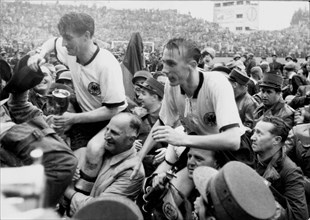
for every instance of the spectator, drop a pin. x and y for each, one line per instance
(119, 137)
(284, 176)
(98, 85)
(272, 101)
(255, 77)
(246, 104)
(275, 66)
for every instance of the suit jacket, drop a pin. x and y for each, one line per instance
(107, 184)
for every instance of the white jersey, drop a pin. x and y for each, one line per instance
(211, 110)
(96, 83)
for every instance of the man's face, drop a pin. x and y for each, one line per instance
(175, 67)
(269, 96)
(118, 136)
(274, 58)
(73, 42)
(207, 58)
(147, 100)
(198, 157)
(262, 139)
(308, 66)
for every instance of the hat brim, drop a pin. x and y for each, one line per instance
(151, 90)
(24, 77)
(270, 86)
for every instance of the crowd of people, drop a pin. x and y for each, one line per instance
(180, 137)
(25, 26)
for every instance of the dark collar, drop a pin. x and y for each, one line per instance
(197, 89)
(91, 59)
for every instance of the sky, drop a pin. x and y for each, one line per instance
(273, 15)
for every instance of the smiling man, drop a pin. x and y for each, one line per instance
(117, 138)
(97, 79)
(272, 101)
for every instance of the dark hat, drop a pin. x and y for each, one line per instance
(236, 56)
(238, 76)
(141, 74)
(110, 207)
(272, 80)
(153, 85)
(288, 57)
(236, 191)
(222, 69)
(23, 77)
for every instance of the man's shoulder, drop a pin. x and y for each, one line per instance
(289, 167)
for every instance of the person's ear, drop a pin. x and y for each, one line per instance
(278, 139)
(193, 64)
(87, 34)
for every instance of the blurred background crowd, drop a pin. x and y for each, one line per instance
(25, 26)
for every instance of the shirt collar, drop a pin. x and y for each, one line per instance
(91, 59)
(201, 78)
(122, 156)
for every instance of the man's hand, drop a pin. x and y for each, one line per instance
(64, 121)
(160, 156)
(35, 61)
(158, 180)
(137, 144)
(169, 135)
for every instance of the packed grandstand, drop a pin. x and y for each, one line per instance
(24, 26)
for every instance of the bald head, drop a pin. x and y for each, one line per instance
(121, 132)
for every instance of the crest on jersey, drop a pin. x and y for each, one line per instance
(210, 119)
(94, 88)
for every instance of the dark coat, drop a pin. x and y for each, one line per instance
(280, 109)
(287, 184)
(300, 99)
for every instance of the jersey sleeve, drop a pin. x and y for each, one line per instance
(111, 84)
(60, 51)
(224, 103)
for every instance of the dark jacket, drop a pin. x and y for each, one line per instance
(252, 87)
(298, 147)
(246, 105)
(59, 161)
(301, 99)
(275, 67)
(287, 185)
(280, 109)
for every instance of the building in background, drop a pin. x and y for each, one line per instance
(237, 16)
